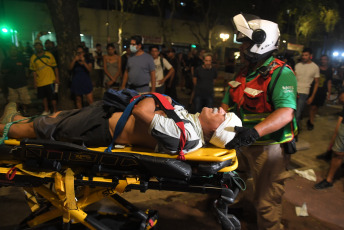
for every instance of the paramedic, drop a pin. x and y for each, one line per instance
(266, 105)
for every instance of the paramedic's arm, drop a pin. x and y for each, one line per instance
(125, 79)
(144, 110)
(153, 82)
(57, 78)
(316, 84)
(275, 121)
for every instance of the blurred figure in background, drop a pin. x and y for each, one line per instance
(161, 64)
(98, 66)
(14, 69)
(81, 80)
(46, 76)
(203, 80)
(112, 67)
(325, 84)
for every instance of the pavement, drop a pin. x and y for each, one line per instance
(179, 210)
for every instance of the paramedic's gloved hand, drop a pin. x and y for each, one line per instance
(244, 137)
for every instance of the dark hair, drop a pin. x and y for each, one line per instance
(98, 44)
(172, 50)
(152, 47)
(309, 50)
(324, 55)
(110, 45)
(81, 47)
(137, 38)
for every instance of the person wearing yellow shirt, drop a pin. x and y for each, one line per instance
(46, 76)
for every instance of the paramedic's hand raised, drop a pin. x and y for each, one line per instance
(244, 137)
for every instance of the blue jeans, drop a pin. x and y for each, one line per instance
(301, 102)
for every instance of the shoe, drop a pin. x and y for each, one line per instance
(323, 185)
(310, 126)
(45, 113)
(9, 113)
(325, 156)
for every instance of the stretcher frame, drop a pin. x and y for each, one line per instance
(79, 177)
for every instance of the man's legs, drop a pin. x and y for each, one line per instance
(312, 112)
(268, 167)
(336, 162)
(301, 102)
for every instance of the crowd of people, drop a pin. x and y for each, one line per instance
(267, 94)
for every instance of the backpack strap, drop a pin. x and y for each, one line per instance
(270, 92)
(162, 66)
(166, 107)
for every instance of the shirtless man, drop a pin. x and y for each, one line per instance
(90, 127)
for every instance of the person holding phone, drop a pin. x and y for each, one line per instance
(81, 81)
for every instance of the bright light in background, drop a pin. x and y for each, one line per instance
(49, 32)
(193, 46)
(81, 35)
(224, 36)
(236, 55)
(4, 30)
(335, 54)
(182, 3)
(342, 54)
(284, 41)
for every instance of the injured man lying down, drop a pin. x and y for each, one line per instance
(146, 126)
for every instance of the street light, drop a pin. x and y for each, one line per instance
(224, 36)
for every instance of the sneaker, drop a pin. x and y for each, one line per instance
(9, 113)
(310, 126)
(325, 156)
(45, 113)
(323, 185)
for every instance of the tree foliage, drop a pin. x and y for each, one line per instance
(309, 18)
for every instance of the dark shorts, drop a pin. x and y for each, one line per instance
(88, 126)
(46, 91)
(319, 99)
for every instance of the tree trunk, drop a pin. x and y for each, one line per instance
(65, 18)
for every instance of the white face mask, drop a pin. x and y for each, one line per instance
(133, 48)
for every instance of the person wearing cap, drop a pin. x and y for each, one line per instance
(263, 94)
(93, 126)
(140, 69)
(46, 76)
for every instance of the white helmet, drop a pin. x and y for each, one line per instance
(263, 34)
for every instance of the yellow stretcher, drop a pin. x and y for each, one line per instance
(68, 178)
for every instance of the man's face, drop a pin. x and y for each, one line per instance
(48, 45)
(38, 47)
(324, 61)
(207, 62)
(306, 57)
(155, 53)
(201, 54)
(99, 48)
(212, 118)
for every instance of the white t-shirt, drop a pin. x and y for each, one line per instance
(305, 74)
(159, 72)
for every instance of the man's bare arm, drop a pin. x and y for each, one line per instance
(125, 79)
(316, 84)
(275, 121)
(153, 82)
(144, 110)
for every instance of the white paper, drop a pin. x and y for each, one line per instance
(309, 174)
(301, 211)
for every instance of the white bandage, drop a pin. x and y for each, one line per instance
(225, 132)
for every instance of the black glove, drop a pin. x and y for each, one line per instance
(244, 137)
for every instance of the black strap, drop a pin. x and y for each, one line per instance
(271, 89)
(162, 66)
(44, 62)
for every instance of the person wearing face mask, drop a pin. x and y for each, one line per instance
(203, 81)
(263, 94)
(140, 69)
